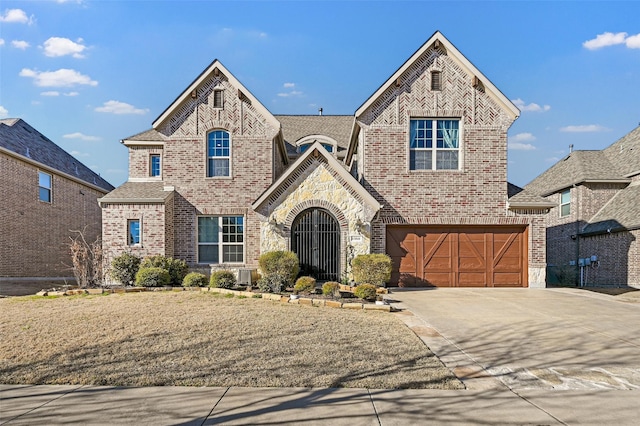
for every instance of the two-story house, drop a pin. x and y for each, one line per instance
(418, 172)
(45, 195)
(593, 235)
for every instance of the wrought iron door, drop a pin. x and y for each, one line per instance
(315, 238)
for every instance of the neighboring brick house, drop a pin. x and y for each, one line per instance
(45, 193)
(598, 214)
(419, 172)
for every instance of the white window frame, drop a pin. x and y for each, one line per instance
(434, 144)
(565, 204)
(151, 157)
(221, 244)
(220, 157)
(303, 144)
(129, 222)
(49, 188)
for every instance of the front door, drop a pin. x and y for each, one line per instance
(315, 238)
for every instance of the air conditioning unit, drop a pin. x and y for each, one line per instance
(244, 276)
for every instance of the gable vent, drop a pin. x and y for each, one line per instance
(436, 80)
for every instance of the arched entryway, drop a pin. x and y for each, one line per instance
(315, 238)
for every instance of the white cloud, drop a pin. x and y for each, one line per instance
(3, 112)
(1, 42)
(50, 93)
(289, 94)
(60, 46)
(519, 146)
(79, 154)
(71, 94)
(588, 128)
(633, 42)
(17, 16)
(610, 39)
(81, 136)
(289, 85)
(116, 107)
(552, 160)
(523, 137)
(61, 78)
(20, 44)
(532, 107)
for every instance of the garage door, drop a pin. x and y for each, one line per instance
(458, 256)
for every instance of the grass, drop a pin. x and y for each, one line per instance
(205, 339)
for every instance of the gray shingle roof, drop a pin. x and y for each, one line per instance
(625, 153)
(19, 137)
(137, 192)
(337, 127)
(577, 167)
(151, 135)
(621, 212)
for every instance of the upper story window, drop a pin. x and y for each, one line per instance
(44, 186)
(133, 232)
(218, 153)
(220, 239)
(434, 144)
(565, 203)
(218, 98)
(154, 165)
(302, 148)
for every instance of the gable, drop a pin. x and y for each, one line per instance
(194, 111)
(464, 89)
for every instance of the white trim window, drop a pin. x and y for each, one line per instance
(45, 181)
(218, 154)
(220, 239)
(134, 232)
(565, 203)
(154, 165)
(434, 144)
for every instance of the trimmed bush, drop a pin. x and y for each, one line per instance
(365, 292)
(177, 268)
(371, 268)
(273, 283)
(194, 279)
(331, 288)
(152, 277)
(222, 279)
(124, 268)
(305, 285)
(281, 264)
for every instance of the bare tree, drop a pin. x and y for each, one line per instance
(86, 259)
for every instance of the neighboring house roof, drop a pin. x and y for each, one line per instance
(138, 192)
(622, 212)
(521, 198)
(577, 167)
(20, 139)
(625, 153)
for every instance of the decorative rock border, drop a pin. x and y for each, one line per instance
(249, 294)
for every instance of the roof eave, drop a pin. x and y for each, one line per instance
(579, 182)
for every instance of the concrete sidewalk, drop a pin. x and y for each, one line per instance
(95, 405)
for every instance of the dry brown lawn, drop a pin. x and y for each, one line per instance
(205, 339)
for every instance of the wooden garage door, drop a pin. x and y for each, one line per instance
(458, 256)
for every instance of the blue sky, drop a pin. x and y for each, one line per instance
(89, 73)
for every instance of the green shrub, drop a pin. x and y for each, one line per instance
(124, 268)
(152, 277)
(273, 283)
(305, 285)
(177, 268)
(331, 288)
(365, 291)
(222, 279)
(371, 268)
(194, 279)
(279, 265)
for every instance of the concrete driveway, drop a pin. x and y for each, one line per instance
(528, 338)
